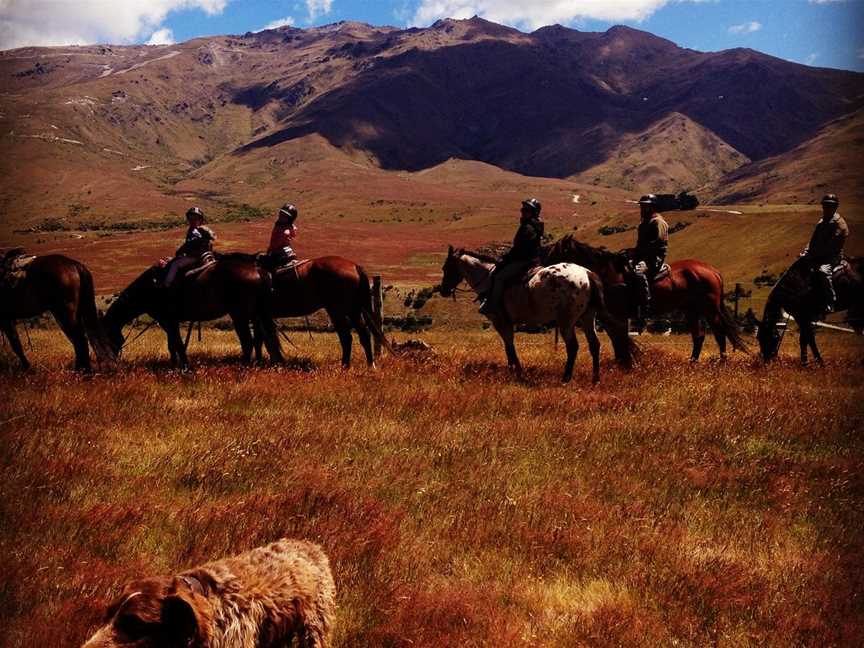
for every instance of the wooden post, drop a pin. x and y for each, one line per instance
(737, 297)
(378, 309)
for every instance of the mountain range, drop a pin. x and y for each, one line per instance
(136, 132)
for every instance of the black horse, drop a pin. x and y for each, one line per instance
(795, 294)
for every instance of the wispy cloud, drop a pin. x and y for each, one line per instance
(861, 53)
(162, 36)
(825, 1)
(287, 21)
(811, 59)
(538, 13)
(36, 22)
(318, 8)
(746, 28)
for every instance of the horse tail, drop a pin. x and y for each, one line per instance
(90, 318)
(625, 348)
(729, 328)
(365, 305)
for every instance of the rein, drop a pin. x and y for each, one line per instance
(127, 342)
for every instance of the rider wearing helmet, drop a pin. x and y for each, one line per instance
(524, 254)
(280, 251)
(199, 242)
(825, 250)
(650, 252)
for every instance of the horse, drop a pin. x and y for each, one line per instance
(340, 287)
(565, 293)
(232, 285)
(795, 294)
(692, 286)
(65, 287)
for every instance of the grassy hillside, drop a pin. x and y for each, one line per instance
(673, 505)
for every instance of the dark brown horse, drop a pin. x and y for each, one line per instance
(232, 286)
(65, 287)
(794, 294)
(339, 286)
(693, 287)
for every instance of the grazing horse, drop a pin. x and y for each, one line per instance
(65, 287)
(339, 286)
(692, 286)
(794, 293)
(232, 286)
(565, 293)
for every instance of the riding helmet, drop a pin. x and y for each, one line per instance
(648, 199)
(533, 205)
(288, 212)
(830, 199)
(194, 211)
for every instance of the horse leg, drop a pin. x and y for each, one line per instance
(593, 346)
(505, 330)
(571, 343)
(343, 330)
(697, 332)
(8, 327)
(257, 341)
(75, 332)
(716, 322)
(241, 327)
(808, 338)
(365, 338)
(176, 346)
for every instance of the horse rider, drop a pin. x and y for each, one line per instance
(825, 250)
(280, 252)
(649, 255)
(199, 242)
(524, 254)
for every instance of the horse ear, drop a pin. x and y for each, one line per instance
(449, 250)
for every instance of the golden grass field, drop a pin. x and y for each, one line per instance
(673, 505)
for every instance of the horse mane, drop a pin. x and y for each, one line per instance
(568, 248)
(486, 258)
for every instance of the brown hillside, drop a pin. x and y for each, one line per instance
(831, 161)
(673, 154)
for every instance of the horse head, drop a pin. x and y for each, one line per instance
(451, 275)
(129, 304)
(768, 338)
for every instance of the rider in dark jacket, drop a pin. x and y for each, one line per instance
(524, 254)
(825, 250)
(199, 241)
(649, 255)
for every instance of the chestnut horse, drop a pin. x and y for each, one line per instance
(339, 286)
(692, 286)
(232, 286)
(65, 287)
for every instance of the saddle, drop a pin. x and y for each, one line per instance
(661, 274)
(842, 269)
(13, 267)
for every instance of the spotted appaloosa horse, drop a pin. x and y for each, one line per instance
(565, 293)
(65, 287)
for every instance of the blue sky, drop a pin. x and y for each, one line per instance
(825, 33)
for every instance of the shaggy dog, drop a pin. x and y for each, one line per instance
(260, 599)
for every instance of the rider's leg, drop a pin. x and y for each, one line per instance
(176, 265)
(503, 277)
(824, 277)
(643, 292)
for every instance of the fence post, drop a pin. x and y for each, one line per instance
(378, 309)
(737, 297)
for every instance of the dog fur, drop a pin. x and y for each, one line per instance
(260, 599)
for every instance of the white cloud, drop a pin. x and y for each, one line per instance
(318, 8)
(287, 21)
(746, 28)
(162, 36)
(811, 59)
(538, 13)
(82, 22)
(825, 1)
(861, 53)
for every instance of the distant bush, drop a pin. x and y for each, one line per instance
(608, 230)
(765, 279)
